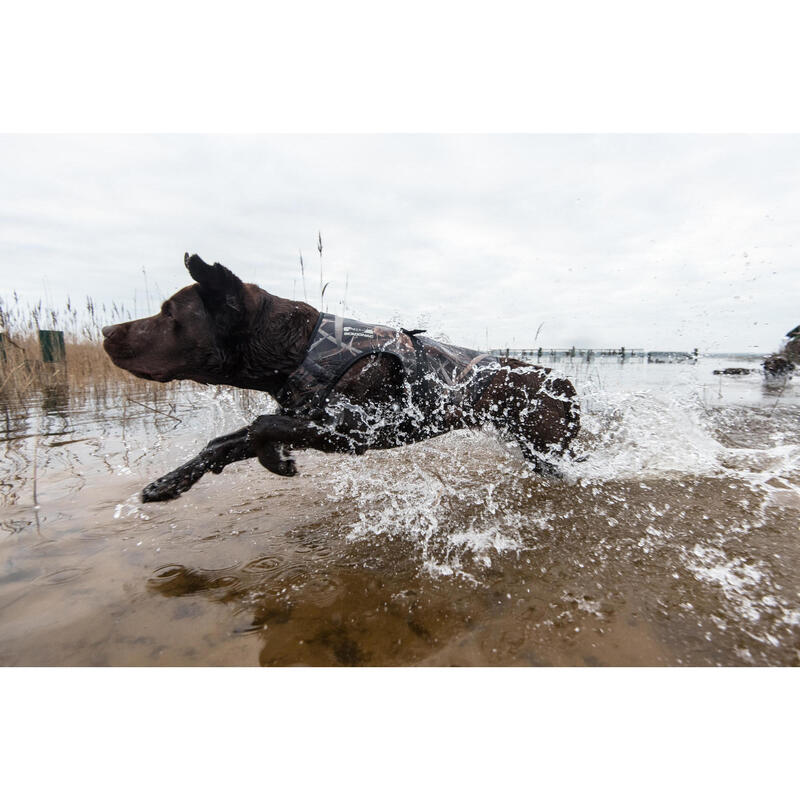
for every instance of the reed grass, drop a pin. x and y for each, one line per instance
(86, 365)
(87, 369)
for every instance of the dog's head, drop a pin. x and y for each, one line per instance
(193, 336)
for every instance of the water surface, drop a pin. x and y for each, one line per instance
(674, 542)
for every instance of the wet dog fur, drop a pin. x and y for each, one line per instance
(220, 330)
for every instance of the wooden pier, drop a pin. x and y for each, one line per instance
(590, 354)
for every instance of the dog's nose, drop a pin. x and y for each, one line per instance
(108, 330)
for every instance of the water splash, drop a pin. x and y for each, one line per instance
(465, 498)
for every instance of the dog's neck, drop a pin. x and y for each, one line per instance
(276, 341)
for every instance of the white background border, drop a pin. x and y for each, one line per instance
(345, 66)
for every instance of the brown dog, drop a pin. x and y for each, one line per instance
(343, 386)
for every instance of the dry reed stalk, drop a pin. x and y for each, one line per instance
(35, 467)
(87, 368)
(303, 275)
(321, 289)
(154, 410)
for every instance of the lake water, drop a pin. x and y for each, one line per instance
(677, 541)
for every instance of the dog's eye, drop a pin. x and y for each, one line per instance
(166, 312)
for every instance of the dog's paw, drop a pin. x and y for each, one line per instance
(287, 468)
(160, 491)
(275, 458)
(175, 483)
(271, 460)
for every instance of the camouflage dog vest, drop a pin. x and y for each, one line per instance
(431, 368)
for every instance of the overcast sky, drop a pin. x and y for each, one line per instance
(643, 241)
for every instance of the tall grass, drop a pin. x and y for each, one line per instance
(22, 371)
(87, 368)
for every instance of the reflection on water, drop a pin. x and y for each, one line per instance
(675, 542)
(55, 399)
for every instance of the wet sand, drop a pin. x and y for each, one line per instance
(444, 553)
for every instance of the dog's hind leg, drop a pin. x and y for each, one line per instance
(536, 462)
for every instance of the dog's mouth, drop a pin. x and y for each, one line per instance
(144, 374)
(122, 356)
(148, 376)
(117, 351)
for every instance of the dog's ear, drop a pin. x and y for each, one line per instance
(219, 287)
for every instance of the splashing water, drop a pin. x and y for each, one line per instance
(467, 495)
(674, 541)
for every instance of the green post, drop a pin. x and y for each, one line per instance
(52, 344)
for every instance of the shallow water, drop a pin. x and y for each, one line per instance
(674, 542)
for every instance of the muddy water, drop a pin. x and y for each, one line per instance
(675, 542)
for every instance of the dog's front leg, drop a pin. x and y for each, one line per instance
(175, 483)
(273, 430)
(214, 457)
(267, 439)
(239, 446)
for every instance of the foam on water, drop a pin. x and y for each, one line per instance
(682, 520)
(644, 434)
(465, 506)
(463, 499)
(447, 498)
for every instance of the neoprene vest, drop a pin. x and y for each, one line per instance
(430, 367)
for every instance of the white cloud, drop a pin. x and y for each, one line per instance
(642, 241)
